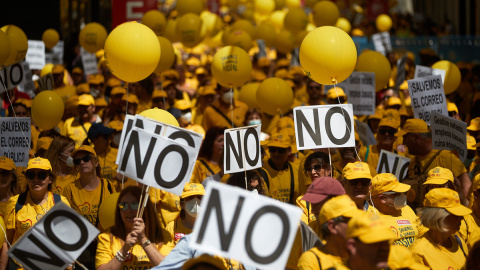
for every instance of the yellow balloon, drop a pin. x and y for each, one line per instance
(132, 51)
(240, 39)
(292, 3)
(325, 13)
(211, 24)
(106, 212)
(18, 44)
(311, 3)
(2, 235)
(214, 42)
(328, 55)
(50, 37)
(453, 76)
(245, 26)
(295, 20)
(47, 109)
(372, 61)
(231, 66)
(264, 7)
(4, 47)
(383, 23)
(225, 34)
(279, 4)
(189, 6)
(344, 24)
(167, 55)
(160, 116)
(248, 94)
(274, 95)
(188, 27)
(155, 20)
(285, 41)
(92, 37)
(266, 31)
(277, 18)
(46, 69)
(171, 31)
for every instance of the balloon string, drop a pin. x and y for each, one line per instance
(126, 112)
(13, 110)
(163, 97)
(330, 160)
(231, 103)
(335, 87)
(281, 114)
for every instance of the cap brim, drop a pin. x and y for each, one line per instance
(459, 210)
(193, 193)
(436, 181)
(354, 176)
(352, 213)
(277, 144)
(401, 188)
(400, 133)
(314, 198)
(375, 236)
(472, 128)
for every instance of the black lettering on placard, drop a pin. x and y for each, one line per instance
(301, 121)
(403, 170)
(214, 204)
(283, 241)
(395, 165)
(183, 135)
(139, 124)
(383, 162)
(253, 131)
(16, 81)
(128, 128)
(134, 142)
(29, 258)
(328, 125)
(53, 237)
(183, 169)
(229, 145)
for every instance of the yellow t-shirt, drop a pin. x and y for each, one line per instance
(438, 257)
(108, 245)
(403, 226)
(107, 163)
(469, 229)
(73, 129)
(167, 205)
(86, 202)
(280, 182)
(3, 209)
(200, 171)
(445, 159)
(177, 230)
(307, 215)
(212, 118)
(28, 215)
(61, 182)
(21, 179)
(310, 260)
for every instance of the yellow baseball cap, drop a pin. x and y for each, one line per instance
(446, 198)
(403, 112)
(168, 74)
(280, 139)
(201, 70)
(84, 148)
(207, 90)
(331, 94)
(83, 88)
(116, 124)
(400, 257)
(385, 182)
(86, 100)
(393, 101)
(192, 189)
(100, 102)
(264, 62)
(192, 61)
(356, 170)
(389, 122)
(393, 113)
(118, 90)
(452, 107)
(369, 228)
(182, 104)
(167, 83)
(159, 93)
(77, 70)
(471, 142)
(7, 164)
(474, 124)
(215, 261)
(57, 69)
(112, 82)
(283, 74)
(439, 176)
(39, 163)
(131, 98)
(338, 206)
(378, 114)
(296, 70)
(26, 102)
(43, 143)
(258, 75)
(96, 79)
(476, 182)
(413, 125)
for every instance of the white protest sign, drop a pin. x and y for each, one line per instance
(15, 139)
(365, 133)
(449, 134)
(400, 71)
(45, 82)
(56, 55)
(27, 86)
(11, 76)
(421, 72)
(324, 126)
(427, 95)
(382, 43)
(389, 162)
(89, 61)
(55, 241)
(36, 54)
(235, 223)
(127, 127)
(242, 149)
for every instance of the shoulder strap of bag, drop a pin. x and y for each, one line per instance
(430, 161)
(223, 115)
(264, 175)
(206, 165)
(460, 244)
(20, 202)
(56, 198)
(292, 183)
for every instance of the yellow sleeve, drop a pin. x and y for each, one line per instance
(197, 173)
(104, 252)
(65, 201)
(67, 193)
(296, 250)
(308, 261)
(10, 213)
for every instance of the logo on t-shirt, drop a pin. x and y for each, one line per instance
(84, 208)
(26, 224)
(403, 222)
(178, 236)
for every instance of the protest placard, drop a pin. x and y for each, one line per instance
(15, 139)
(365, 133)
(389, 162)
(238, 224)
(55, 56)
(449, 134)
(400, 71)
(27, 86)
(324, 126)
(382, 42)
(11, 76)
(421, 72)
(45, 82)
(242, 149)
(35, 56)
(55, 241)
(89, 61)
(427, 95)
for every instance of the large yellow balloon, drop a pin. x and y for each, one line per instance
(292, 3)
(344, 24)
(170, 31)
(383, 23)
(155, 20)
(285, 41)
(248, 94)
(372, 61)
(2, 234)
(264, 7)
(188, 27)
(266, 31)
(47, 109)
(50, 37)
(4, 47)
(167, 55)
(274, 95)
(310, 3)
(106, 212)
(453, 76)
(92, 37)
(211, 24)
(325, 13)
(132, 51)
(18, 44)
(296, 20)
(328, 55)
(189, 6)
(160, 116)
(245, 26)
(277, 18)
(240, 39)
(231, 66)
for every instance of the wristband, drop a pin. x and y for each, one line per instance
(119, 256)
(146, 243)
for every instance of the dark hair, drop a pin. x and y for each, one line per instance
(206, 150)
(250, 112)
(153, 230)
(147, 84)
(10, 108)
(52, 133)
(316, 156)
(238, 180)
(325, 232)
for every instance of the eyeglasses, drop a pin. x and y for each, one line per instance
(384, 131)
(40, 175)
(124, 206)
(277, 149)
(85, 159)
(318, 167)
(363, 182)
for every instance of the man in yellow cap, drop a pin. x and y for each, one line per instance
(130, 103)
(77, 76)
(474, 128)
(475, 234)
(185, 119)
(59, 86)
(394, 103)
(314, 93)
(348, 155)
(96, 83)
(8, 180)
(356, 179)
(206, 95)
(388, 198)
(77, 127)
(159, 99)
(471, 154)
(453, 110)
(374, 120)
(335, 94)
(225, 111)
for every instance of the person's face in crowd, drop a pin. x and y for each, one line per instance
(372, 256)
(66, 152)
(207, 99)
(116, 99)
(349, 153)
(171, 92)
(38, 180)
(101, 143)
(77, 78)
(133, 87)
(58, 79)
(84, 162)
(128, 208)
(20, 111)
(131, 109)
(357, 188)
(159, 103)
(314, 90)
(279, 155)
(452, 223)
(316, 169)
(386, 137)
(218, 144)
(410, 141)
(188, 202)
(298, 79)
(6, 178)
(85, 111)
(374, 124)
(254, 116)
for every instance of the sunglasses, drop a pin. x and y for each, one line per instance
(85, 159)
(40, 175)
(124, 206)
(318, 167)
(384, 131)
(277, 149)
(363, 182)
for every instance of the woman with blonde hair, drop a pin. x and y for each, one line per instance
(62, 163)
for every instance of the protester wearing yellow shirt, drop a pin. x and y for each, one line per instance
(77, 127)
(356, 179)
(475, 216)
(62, 163)
(439, 248)
(8, 183)
(401, 257)
(100, 136)
(209, 155)
(62, 89)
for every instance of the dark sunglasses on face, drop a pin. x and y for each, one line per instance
(124, 206)
(384, 131)
(40, 175)
(85, 159)
(318, 167)
(363, 182)
(277, 149)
